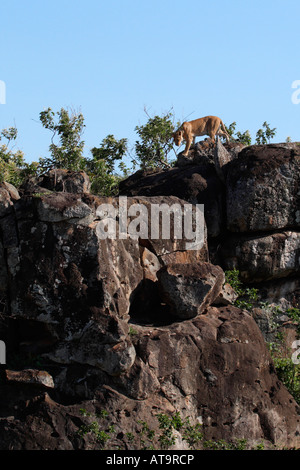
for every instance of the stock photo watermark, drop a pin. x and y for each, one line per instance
(2, 92)
(2, 352)
(296, 93)
(153, 221)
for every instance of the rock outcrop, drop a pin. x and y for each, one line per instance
(190, 289)
(251, 203)
(196, 183)
(141, 325)
(263, 189)
(263, 257)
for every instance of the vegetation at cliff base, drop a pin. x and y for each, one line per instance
(287, 369)
(165, 433)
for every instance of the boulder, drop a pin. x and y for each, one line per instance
(58, 180)
(12, 191)
(222, 157)
(265, 257)
(60, 206)
(150, 264)
(198, 178)
(190, 289)
(67, 181)
(31, 377)
(227, 296)
(214, 369)
(195, 184)
(262, 190)
(66, 275)
(221, 363)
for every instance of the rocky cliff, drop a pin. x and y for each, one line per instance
(107, 334)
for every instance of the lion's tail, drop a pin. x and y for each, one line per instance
(224, 128)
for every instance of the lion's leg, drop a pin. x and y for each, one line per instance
(189, 140)
(212, 135)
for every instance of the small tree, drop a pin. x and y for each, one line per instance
(68, 128)
(155, 142)
(110, 151)
(243, 137)
(101, 168)
(11, 162)
(263, 136)
(231, 129)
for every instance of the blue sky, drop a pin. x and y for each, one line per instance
(109, 60)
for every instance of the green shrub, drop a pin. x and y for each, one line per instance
(155, 142)
(263, 136)
(13, 168)
(246, 295)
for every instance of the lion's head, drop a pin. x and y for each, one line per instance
(178, 137)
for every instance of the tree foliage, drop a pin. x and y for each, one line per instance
(110, 151)
(155, 141)
(105, 166)
(263, 136)
(67, 148)
(243, 137)
(13, 168)
(101, 169)
(67, 153)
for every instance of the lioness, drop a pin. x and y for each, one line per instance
(208, 125)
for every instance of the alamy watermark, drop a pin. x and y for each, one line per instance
(152, 221)
(2, 352)
(296, 93)
(2, 92)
